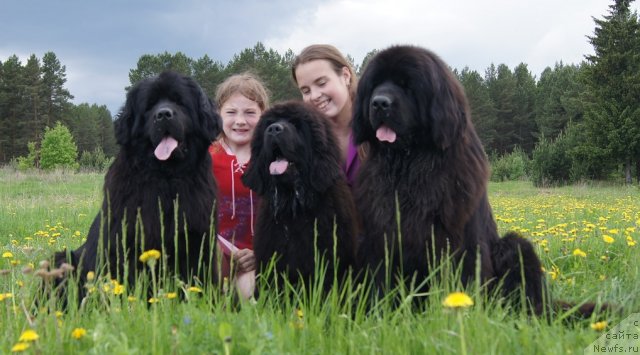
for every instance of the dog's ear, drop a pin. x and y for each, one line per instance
(255, 176)
(447, 103)
(324, 166)
(210, 120)
(361, 125)
(125, 121)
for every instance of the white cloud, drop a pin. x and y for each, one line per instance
(465, 33)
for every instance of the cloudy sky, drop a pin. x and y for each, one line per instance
(100, 41)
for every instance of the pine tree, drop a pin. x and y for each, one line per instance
(502, 89)
(34, 107)
(55, 97)
(483, 113)
(524, 106)
(11, 102)
(613, 79)
(558, 99)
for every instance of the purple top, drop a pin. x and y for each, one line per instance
(352, 164)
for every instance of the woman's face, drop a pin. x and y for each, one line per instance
(320, 85)
(239, 118)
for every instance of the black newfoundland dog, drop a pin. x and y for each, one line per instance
(306, 210)
(159, 193)
(427, 171)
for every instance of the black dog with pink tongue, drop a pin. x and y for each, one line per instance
(159, 193)
(306, 219)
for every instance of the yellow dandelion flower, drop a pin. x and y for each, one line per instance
(7, 255)
(150, 255)
(599, 326)
(194, 289)
(91, 276)
(76, 233)
(608, 239)
(29, 335)
(172, 295)
(4, 296)
(118, 289)
(604, 258)
(580, 253)
(457, 300)
(153, 300)
(78, 333)
(59, 314)
(131, 298)
(299, 313)
(602, 277)
(20, 347)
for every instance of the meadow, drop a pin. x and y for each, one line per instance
(586, 236)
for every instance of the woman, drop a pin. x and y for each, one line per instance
(326, 79)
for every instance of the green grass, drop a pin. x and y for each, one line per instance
(42, 213)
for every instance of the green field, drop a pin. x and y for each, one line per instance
(586, 236)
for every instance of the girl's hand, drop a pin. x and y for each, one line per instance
(245, 260)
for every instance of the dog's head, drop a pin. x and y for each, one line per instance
(408, 97)
(165, 117)
(293, 149)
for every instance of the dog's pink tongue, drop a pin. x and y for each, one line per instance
(278, 167)
(385, 134)
(165, 148)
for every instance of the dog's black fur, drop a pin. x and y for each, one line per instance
(307, 208)
(427, 170)
(163, 201)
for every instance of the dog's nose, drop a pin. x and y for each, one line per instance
(275, 128)
(164, 114)
(381, 102)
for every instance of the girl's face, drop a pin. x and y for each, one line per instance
(320, 85)
(239, 118)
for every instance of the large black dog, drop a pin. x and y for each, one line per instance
(306, 209)
(427, 171)
(159, 193)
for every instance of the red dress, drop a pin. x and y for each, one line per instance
(236, 203)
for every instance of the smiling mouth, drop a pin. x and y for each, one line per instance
(322, 105)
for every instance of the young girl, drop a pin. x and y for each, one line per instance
(241, 100)
(327, 80)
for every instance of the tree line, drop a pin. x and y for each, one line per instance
(574, 122)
